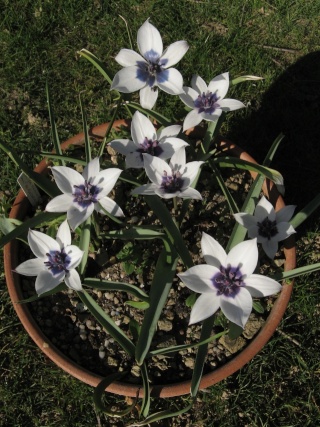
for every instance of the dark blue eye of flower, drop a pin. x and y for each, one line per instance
(58, 261)
(207, 102)
(85, 194)
(173, 183)
(228, 281)
(150, 147)
(152, 69)
(267, 228)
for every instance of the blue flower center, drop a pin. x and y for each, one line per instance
(228, 281)
(58, 261)
(85, 194)
(267, 228)
(171, 184)
(150, 147)
(207, 102)
(152, 69)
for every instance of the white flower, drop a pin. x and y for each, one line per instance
(56, 260)
(151, 70)
(84, 193)
(267, 225)
(170, 180)
(227, 282)
(162, 144)
(207, 102)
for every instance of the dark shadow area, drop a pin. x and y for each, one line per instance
(291, 106)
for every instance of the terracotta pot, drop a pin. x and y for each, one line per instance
(19, 210)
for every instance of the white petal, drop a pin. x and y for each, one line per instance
(147, 190)
(60, 203)
(173, 82)
(41, 243)
(123, 146)
(169, 131)
(285, 230)
(199, 85)
(188, 96)
(66, 178)
(73, 281)
(199, 278)
(92, 169)
(128, 57)
(261, 286)
(75, 255)
(110, 206)
(126, 80)
(170, 147)
(285, 214)
(264, 209)
(190, 193)
(134, 160)
(141, 128)
(211, 117)
(76, 217)
(174, 53)
(230, 104)
(148, 97)
(149, 39)
(238, 308)
(212, 251)
(220, 85)
(245, 255)
(270, 247)
(191, 120)
(178, 160)
(245, 219)
(106, 180)
(46, 281)
(253, 231)
(32, 267)
(155, 168)
(63, 235)
(191, 172)
(205, 306)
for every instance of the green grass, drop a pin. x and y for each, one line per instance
(278, 40)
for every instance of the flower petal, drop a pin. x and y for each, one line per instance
(199, 85)
(285, 230)
(262, 286)
(60, 203)
(32, 267)
(127, 81)
(172, 83)
(66, 178)
(178, 160)
(188, 96)
(106, 180)
(212, 251)
(155, 168)
(238, 308)
(230, 104)
(141, 128)
(148, 97)
(204, 307)
(46, 281)
(190, 193)
(92, 169)
(110, 206)
(75, 255)
(41, 243)
(76, 217)
(191, 120)
(212, 117)
(63, 235)
(264, 209)
(73, 281)
(285, 214)
(168, 132)
(191, 171)
(174, 53)
(199, 278)
(170, 146)
(220, 85)
(149, 40)
(123, 146)
(128, 58)
(270, 247)
(146, 190)
(245, 255)
(245, 219)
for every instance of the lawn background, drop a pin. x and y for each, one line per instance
(278, 40)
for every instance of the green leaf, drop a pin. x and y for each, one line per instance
(234, 331)
(242, 79)
(8, 224)
(305, 212)
(129, 32)
(273, 149)
(284, 275)
(54, 130)
(116, 286)
(164, 121)
(84, 243)
(258, 307)
(107, 323)
(59, 288)
(134, 233)
(134, 328)
(158, 416)
(146, 401)
(41, 218)
(141, 305)
(160, 287)
(97, 63)
(87, 146)
(190, 301)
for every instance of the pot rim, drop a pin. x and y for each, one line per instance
(19, 210)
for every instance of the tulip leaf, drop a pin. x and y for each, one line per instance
(134, 233)
(141, 305)
(59, 288)
(305, 212)
(284, 275)
(190, 301)
(164, 121)
(54, 130)
(234, 331)
(97, 63)
(273, 149)
(87, 146)
(242, 79)
(116, 286)
(146, 401)
(258, 307)
(84, 243)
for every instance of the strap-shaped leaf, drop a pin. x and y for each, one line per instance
(97, 63)
(305, 212)
(87, 146)
(84, 243)
(54, 130)
(164, 121)
(284, 275)
(107, 323)
(116, 286)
